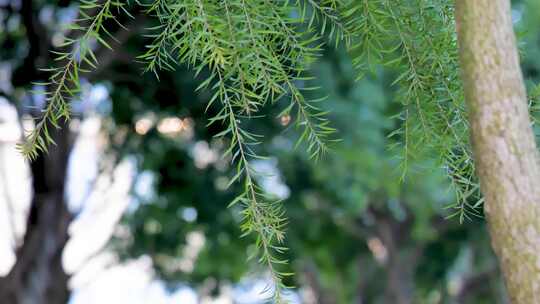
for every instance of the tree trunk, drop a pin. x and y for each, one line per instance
(400, 263)
(38, 276)
(503, 142)
(312, 279)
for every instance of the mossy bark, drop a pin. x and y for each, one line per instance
(505, 151)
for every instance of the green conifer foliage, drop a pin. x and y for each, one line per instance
(257, 53)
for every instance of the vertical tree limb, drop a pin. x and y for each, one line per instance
(38, 275)
(504, 147)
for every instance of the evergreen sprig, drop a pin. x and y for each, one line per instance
(64, 82)
(256, 53)
(433, 116)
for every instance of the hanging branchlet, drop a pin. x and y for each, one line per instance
(257, 52)
(372, 29)
(428, 87)
(433, 116)
(262, 215)
(64, 82)
(335, 18)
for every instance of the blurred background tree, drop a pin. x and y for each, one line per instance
(356, 232)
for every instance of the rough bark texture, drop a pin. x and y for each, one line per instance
(38, 276)
(503, 142)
